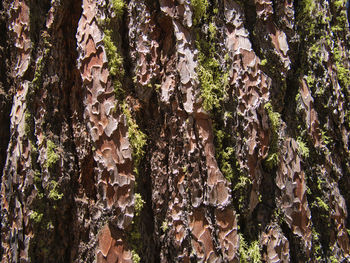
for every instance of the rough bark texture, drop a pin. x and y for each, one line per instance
(174, 130)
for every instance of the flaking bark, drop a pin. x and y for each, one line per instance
(174, 131)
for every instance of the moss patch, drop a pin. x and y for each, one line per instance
(110, 28)
(118, 7)
(275, 120)
(249, 253)
(212, 80)
(139, 203)
(135, 257)
(51, 156)
(199, 10)
(212, 76)
(54, 193)
(136, 137)
(303, 149)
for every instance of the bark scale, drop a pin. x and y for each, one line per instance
(174, 131)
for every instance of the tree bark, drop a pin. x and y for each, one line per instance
(174, 130)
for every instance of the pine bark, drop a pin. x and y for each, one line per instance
(174, 130)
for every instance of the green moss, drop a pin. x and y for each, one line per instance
(199, 10)
(229, 166)
(320, 182)
(243, 250)
(243, 182)
(310, 80)
(278, 216)
(303, 149)
(343, 73)
(254, 252)
(165, 226)
(135, 257)
(333, 259)
(37, 178)
(212, 31)
(137, 141)
(51, 156)
(134, 239)
(275, 121)
(54, 193)
(224, 154)
(226, 166)
(36, 217)
(115, 63)
(136, 137)
(316, 245)
(340, 17)
(49, 226)
(28, 124)
(339, 3)
(325, 138)
(139, 202)
(213, 79)
(275, 117)
(110, 28)
(211, 74)
(307, 17)
(272, 160)
(118, 7)
(249, 253)
(263, 62)
(213, 82)
(37, 80)
(308, 7)
(321, 204)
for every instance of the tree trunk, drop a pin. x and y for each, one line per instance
(174, 130)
